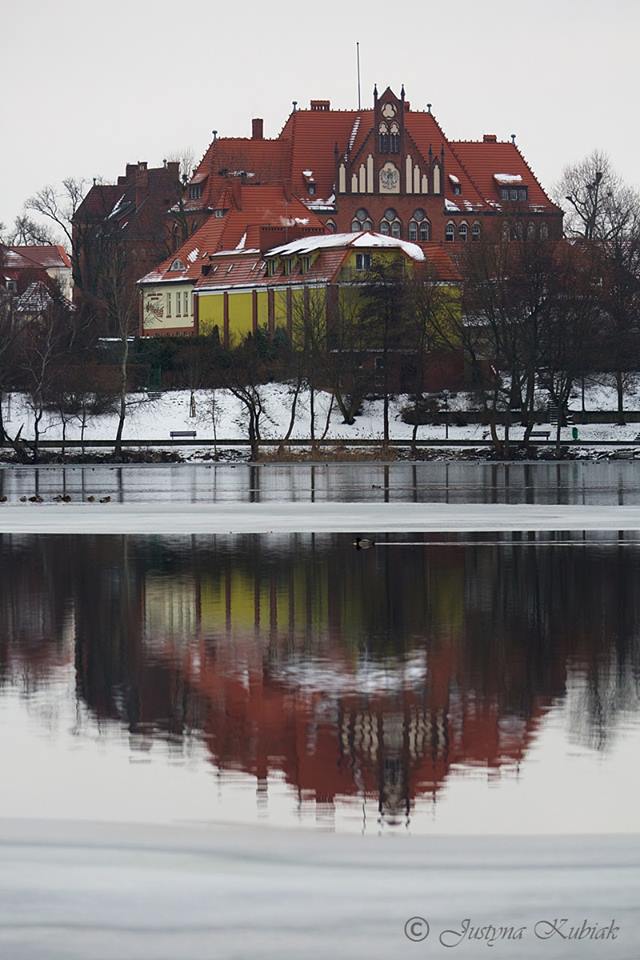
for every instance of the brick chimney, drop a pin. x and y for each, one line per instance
(257, 128)
(489, 138)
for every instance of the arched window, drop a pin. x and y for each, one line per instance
(419, 227)
(463, 232)
(361, 221)
(475, 231)
(531, 230)
(394, 137)
(544, 231)
(383, 138)
(390, 224)
(506, 231)
(177, 265)
(331, 227)
(450, 232)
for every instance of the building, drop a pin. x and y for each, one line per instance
(388, 169)
(123, 223)
(249, 218)
(21, 266)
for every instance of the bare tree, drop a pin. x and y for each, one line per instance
(27, 232)
(598, 204)
(58, 206)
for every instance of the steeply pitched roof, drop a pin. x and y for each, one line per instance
(41, 256)
(487, 158)
(256, 206)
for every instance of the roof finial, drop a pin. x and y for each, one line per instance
(402, 92)
(215, 135)
(295, 105)
(375, 92)
(429, 108)
(513, 139)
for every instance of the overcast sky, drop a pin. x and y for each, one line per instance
(91, 85)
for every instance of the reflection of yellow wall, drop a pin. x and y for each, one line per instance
(167, 306)
(211, 313)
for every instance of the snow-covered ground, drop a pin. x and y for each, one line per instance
(155, 419)
(357, 518)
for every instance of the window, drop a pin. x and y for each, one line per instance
(287, 267)
(185, 303)
(218, 212)
(506, 231)
(544, 231)
(12, 286)
(383, 138)
(195, 191)
(311, 189)
(463, 232)
(305, 264)
(390, 225)
(363, 261)
(168, 300)
(419, 227)
(394, 138)
(475, 231)
(271, 268)
(450, 233)
(504, 193)
(531, 230)
(361, 221)
(457, 189)
(177, 265)
(331, 227)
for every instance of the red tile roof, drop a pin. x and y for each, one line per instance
(486, 158)
(43, 256)
(255, 207)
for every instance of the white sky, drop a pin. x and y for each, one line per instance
(89, 86)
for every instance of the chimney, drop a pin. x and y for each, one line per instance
(489, 138)
(257, 128)
(321, 105)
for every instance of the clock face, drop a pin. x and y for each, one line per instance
(388, 111)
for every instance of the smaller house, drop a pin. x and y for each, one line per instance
(21, 266)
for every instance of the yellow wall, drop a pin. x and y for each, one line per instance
(155, 313)
(211, 313)
(240, 317)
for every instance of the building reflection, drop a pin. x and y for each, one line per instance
(350, 674)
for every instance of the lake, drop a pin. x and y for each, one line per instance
(435, 684)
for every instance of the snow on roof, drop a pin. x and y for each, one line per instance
(354, 133)
(507, 177)
(193, 255)
(307, 173)
(451, 206)
(242, 241)
(329, 241)
(453, 178)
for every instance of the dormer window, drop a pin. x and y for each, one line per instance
(311, 189)
(177, 265)
(271, 268)
(305, 264)
(195, 191)
(219, 212)
(456, 187)
(363, 262)
(515, 194)
(287, 267)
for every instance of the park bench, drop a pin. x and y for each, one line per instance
(539, 434)
(182, 433)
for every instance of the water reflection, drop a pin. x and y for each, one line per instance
(569, 482)
(350, 675)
